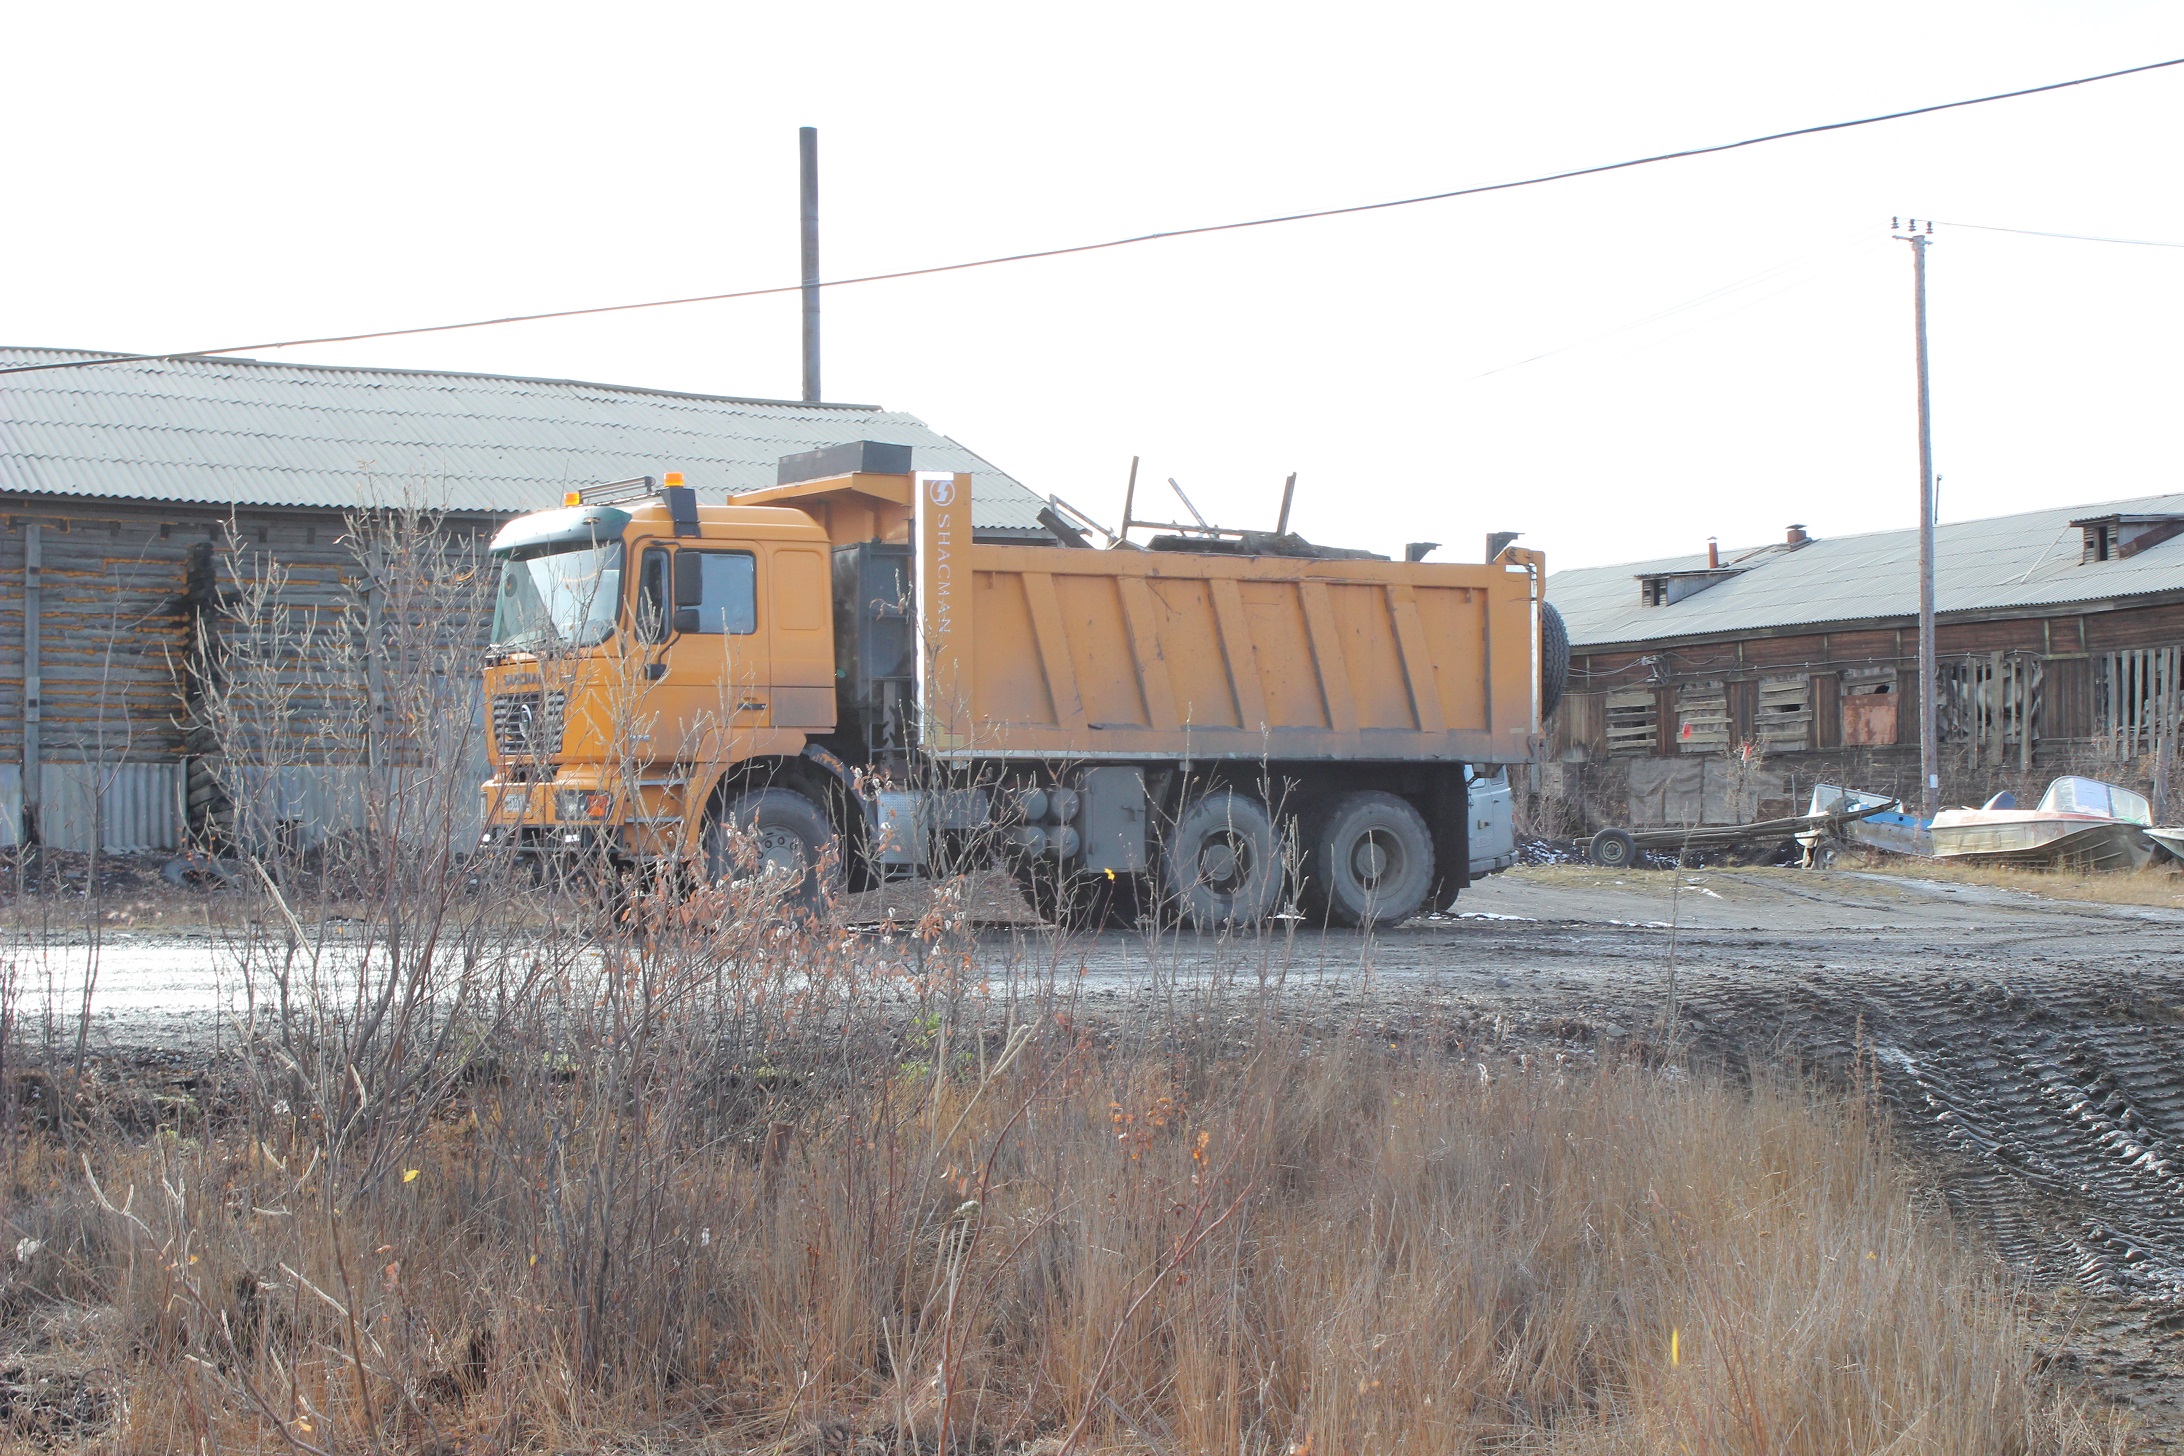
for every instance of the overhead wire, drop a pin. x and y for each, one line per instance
(1568, 174)
(2071, 237)
(1825, 257)
(1790, 287)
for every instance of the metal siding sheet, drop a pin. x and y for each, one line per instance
(134, 807)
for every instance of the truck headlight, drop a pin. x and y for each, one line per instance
(579, 804)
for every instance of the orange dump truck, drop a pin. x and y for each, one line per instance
(836, 668)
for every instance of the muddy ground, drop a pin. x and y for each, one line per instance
(2032, 1048)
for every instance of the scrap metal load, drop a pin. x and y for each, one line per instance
(838, 665)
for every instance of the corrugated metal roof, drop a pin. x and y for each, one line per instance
(247, 432)
(2031, 560)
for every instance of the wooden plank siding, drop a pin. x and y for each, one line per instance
(114, 626)
(2067, 642)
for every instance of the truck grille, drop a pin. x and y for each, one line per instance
(528, 725)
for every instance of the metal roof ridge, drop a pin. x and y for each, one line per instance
(110, 356)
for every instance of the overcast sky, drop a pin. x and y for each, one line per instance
(1618, 367)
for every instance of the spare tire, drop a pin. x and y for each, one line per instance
(1554, 659)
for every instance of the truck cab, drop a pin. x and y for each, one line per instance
(638, 635)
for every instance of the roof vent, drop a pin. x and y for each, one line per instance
(2118, 537)
(1666, 588)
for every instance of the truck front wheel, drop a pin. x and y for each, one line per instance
(787, 834)
(1374, 858)
(1223, 866)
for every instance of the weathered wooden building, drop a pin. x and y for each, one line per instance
(1722, 685)
(125, 485)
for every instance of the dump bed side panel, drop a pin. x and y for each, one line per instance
(1093, 654)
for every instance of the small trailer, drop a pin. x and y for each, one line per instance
(1616, 849)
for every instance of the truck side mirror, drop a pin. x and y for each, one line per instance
(689, 584)
(686, 619)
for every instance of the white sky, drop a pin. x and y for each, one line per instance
(187, 176)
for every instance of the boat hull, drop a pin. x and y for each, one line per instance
(2030, 837)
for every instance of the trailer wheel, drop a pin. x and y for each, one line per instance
(1223, 866)
(789, 835)
(1613, 849)
(1374, 860)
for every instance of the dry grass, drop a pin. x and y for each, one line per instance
(865, 1233)
(2160, 884)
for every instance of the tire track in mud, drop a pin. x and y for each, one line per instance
(2053, 1101)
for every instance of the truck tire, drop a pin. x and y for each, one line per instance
(1554, 658)
(1223, 866)
(1613, 849)
(1374, 860)
(791, 836)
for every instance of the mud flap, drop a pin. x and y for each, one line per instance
(1449, 812)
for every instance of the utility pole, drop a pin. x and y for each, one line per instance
(807, 148)
(1929, 729)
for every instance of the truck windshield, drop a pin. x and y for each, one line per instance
(563, 599)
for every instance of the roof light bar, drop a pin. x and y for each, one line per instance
(616, 492)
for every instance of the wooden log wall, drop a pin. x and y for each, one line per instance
(2065, 651)
(128, 591)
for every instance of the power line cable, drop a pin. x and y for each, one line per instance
(1765, 275)
(1790, 287)
(2073, 237)
(1222, 227)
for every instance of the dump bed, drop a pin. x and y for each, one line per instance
(1135, 654)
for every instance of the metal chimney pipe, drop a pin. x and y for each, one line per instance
(1713, 553)
(807, 147)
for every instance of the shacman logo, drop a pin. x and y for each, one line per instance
(941, 491)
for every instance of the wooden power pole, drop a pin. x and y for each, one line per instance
(807, 156)
(1929, 729)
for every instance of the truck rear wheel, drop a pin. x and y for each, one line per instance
(1374, 858)
(1223, 866)
(789, 835)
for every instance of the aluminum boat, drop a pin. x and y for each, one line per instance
(2080, 822)
(1884, 825)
